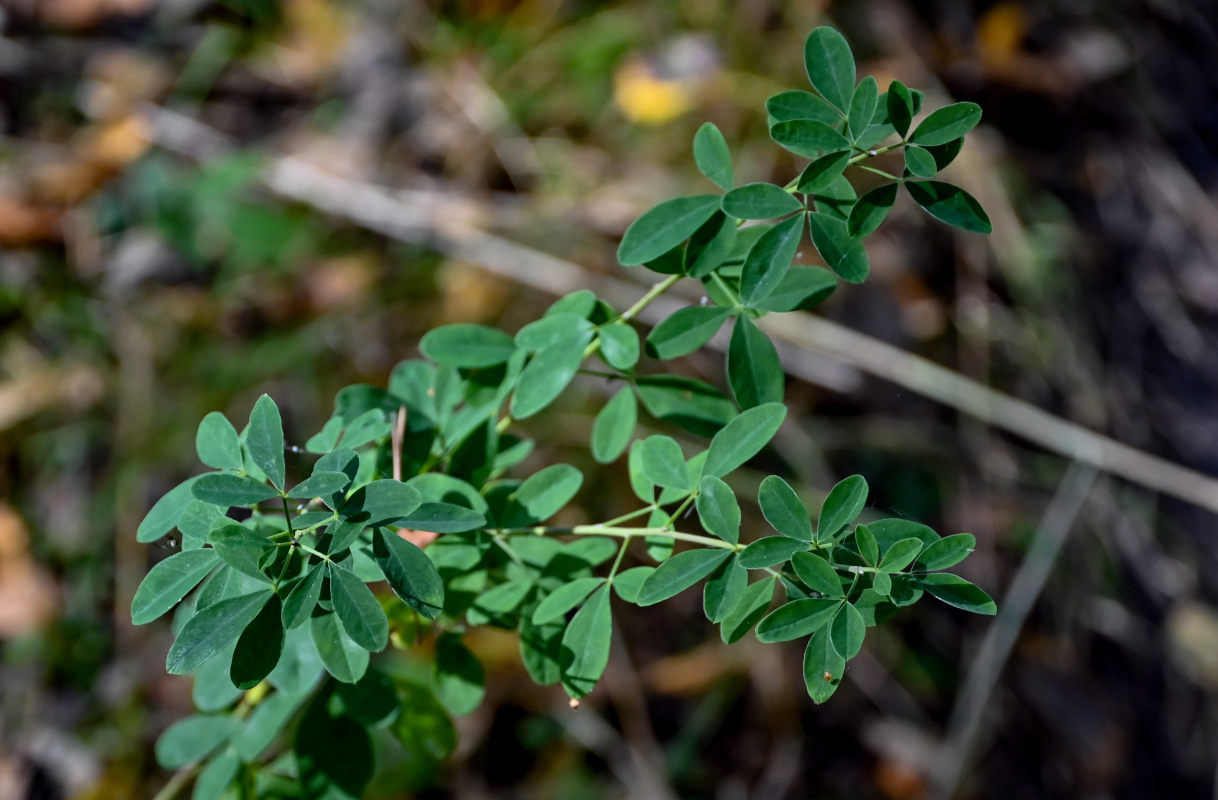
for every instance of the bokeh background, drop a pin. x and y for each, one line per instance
(203, 200)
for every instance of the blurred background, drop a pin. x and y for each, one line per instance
(203, 200)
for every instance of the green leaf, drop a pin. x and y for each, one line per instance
(217, 442)
(950, 204)
(216, 777)
(498, 601)
(818, 175)
(320, 484)
(889, 531)
(382, 502)
(947, 123)
(264, 724)
(820, 576)
(423, 727)
(195, 523)
(544, 493)
(302, 597)
(694, 405)
(324, 441)
(868, 548)
(410, 573)
(640, 484)
(900, 555)
(842, 253)
(743, 438)
(798, 104)
(947, 552)
(357, 609)
(581, 303)
(823, 668)
(467, 345)
(944, 154)
(168, 582)
(685, 331)
(881, 582)
(585, 645)
(920, 162)
(627, 583)
(211, 630)
(769, 258)
(770, 550)
(333, 753)
(830, 65)
(240, 548)
(259, 647)
(900, 106)
(956, 591)
(563, 599)
(842, 506)
(457, 676)
(724, 589)
(550, 330)
(227, 490)
(193, 739)
(665, 226)
(710, 246)
(619, 345)
(663, 463)
(264, 439)
(548, 373)
(800, 288)
(760, 201)
(846, 632)
(712, 156)
(679, 573)
(836, 199)
(807, 138)
(753, 369)
(164, 514)
(870, 210)
(442, 518)
(862, 106)
(783, 509)
(342, 657)
(796, 619)
(718, 509)
(753, 603)
(614, 426)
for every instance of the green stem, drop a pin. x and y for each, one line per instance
(617, 562)
(652, 293)
(873, 153)
(722, 284)
(311, 551)
(640, 512)
(879, 172)
(287, 517)
(680, 510)
(623, 533)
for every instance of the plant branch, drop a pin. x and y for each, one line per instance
(625, 533)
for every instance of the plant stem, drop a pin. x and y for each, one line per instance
(640, 512)
(652, 293)
(617, 562)
(680, 510)
(624, 533)
(287, 517)
(722, 284)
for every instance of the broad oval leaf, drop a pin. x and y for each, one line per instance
(869, 549)
(619, 345)
(947, 552)
(665, 226)
(168, 582)
(753, 369)
(711, 245)
(862, 106)
(783, 509)
(712, 155)
(685, 331)
(217, 443)
(818, 573)
(823, 668)
(801, 288)
(302, 598)
(743, 438)
(320, 484)
(679, 573)
(628, 582)
(467, 345)
(900, 555)
(410, 573)
(830, 65)
(442, 518)
(382, 502)
(797, 618)
(193, 739)
(847, 630)
(240, 548)
(211, 630)
(691, 404)
(843, 253)
(724, 588)
(900, 107)
(768, 260)
(563, 599)
(956, 591)
(342, 657)
(752, 605)
(259, 647)
(770, 550)
(842, 506)
(585, 645)
(164, 514)
(357, 609)
(822, 172)
(550, 330)
(718, 509)
(760, 201)
(950, 204)
(920, 162)
(227, 490)
(614, 426)
(807, 138)
(947, 123)
(870, 210)
(548, 373)
(457, 675)
(798, 104)
(544, 493)
(264, 439)
(663, 463)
